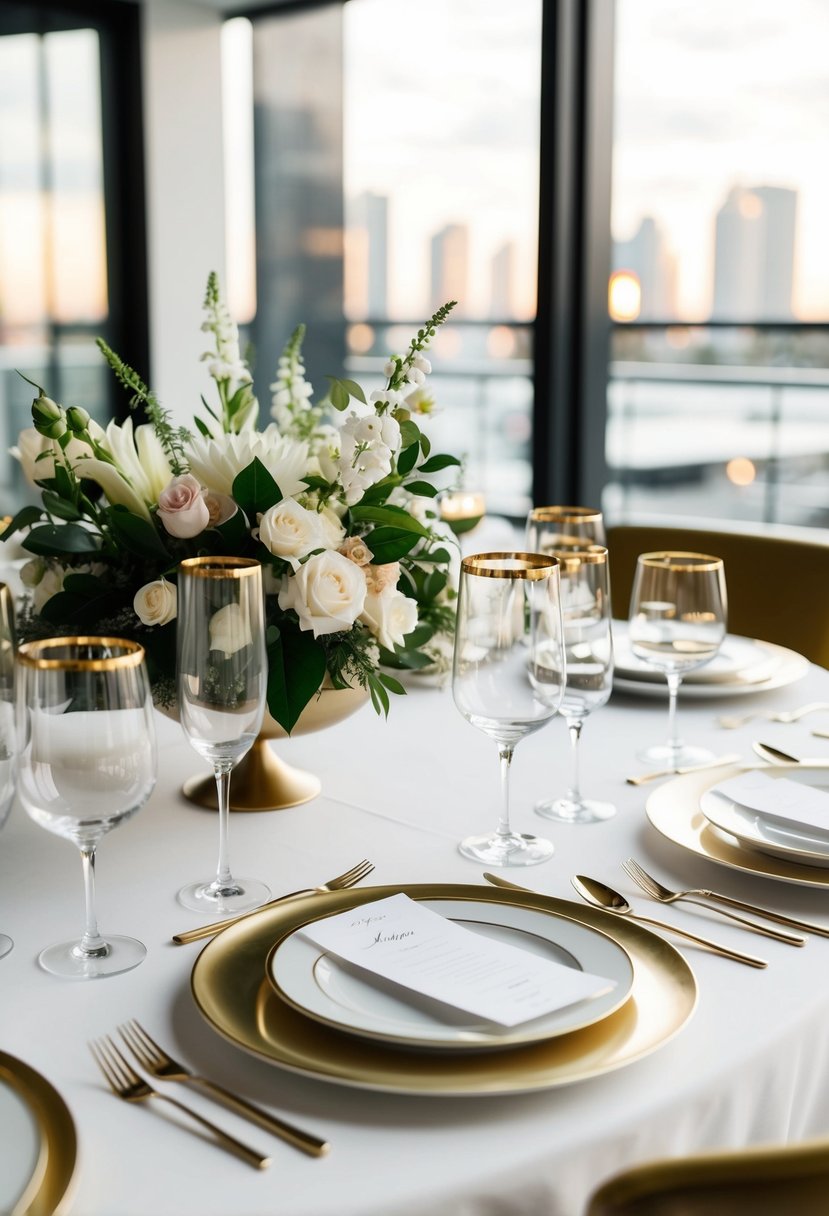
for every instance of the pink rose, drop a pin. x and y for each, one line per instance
(182, 508)
(378, 578)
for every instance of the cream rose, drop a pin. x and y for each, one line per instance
(327, 593)
(156, 603)
(356, 550)
(229, 630)
(390, 616)
(182, 508)
(380, 578)
(288, 531)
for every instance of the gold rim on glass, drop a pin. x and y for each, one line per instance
(35, 654)
(677, 559)
(565, 515)
(581, 552)
(219, 567)
(530, 565)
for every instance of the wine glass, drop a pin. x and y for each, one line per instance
(550, 527)
(8, 743)
(86, 762)
(588, 651)
(677, 623)
(222, 682)
(508, 673)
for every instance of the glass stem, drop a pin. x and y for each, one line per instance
(674, 741)
(574, 726)
(505, 751)
(92, 945)
(223, 876)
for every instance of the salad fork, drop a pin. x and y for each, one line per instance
(783, 715)
(779, 917)
(349, 879)
(665, 896)
(164, 1068)
(125, 1083)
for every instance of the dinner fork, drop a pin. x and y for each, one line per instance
(125, 1083)
(791, 921)
(665, 896)
(164, 1068)
(783, 715)
(349, 879)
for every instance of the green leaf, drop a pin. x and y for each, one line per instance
(434, 584)
(61, 507)
(425, 445)
(420, 635)
(338, 394)
(435, 463)
(296, 669)
(137, 535)
(436, 556)
(407, 459)
(67, 608)
(86, 585)
(397, 517)
(317, 483)
(390, 544)
(391, 684)
(379, 492)
(424, 488)
(409, 433)
(24, 518)
(379, 696)
(56, 540)
(255, 490)
(354, 390)
(234, 532)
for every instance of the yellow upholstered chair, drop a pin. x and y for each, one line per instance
(778, 589)
(792, 1180)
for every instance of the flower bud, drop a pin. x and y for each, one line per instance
(48, 417)
(77, 419)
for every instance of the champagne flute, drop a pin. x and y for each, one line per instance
(508, 673)
(677, 623)
(550, 527)
(222, 682)
(87, 762)
(8, 743)
(588, 650)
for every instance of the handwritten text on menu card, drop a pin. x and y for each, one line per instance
(402, 941)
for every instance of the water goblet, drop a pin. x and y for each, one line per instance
(508, 673)
(222, 683)
(677, 623)
(588, 651)
(8, 743)
(550, 527)
(86, 763)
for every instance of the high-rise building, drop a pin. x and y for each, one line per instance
(368, 265)
(646, 255)
(502, 269)
(450, 267)
(754, 254)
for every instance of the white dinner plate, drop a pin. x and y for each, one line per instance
(754, 831)
(331, 991)
(743, 667)
(38, 1143)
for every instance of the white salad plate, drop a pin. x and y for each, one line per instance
(756, 830)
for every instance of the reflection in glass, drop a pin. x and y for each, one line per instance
(8, 741)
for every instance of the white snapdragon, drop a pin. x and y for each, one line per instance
(368, 444)
(291, 391)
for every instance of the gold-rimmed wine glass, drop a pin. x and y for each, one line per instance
(550, 527)
(588, 651)
(222, 673)
(8, 740)
(86, 763)
(677, 622)
(508, 673)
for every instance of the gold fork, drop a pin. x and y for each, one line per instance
(340, 883)
(125, 1083)
(164, 1068)
(665, 896)
(783, 715)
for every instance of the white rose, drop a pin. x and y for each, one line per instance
(288, 531)
(327, 593)
(229, 630)
(390, 616)
(156, 603)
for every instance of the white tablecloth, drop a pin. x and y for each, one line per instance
(751, 1066)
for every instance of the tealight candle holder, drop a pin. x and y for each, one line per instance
(462, 510)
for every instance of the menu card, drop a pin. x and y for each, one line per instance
(777, 798)
(403, 941)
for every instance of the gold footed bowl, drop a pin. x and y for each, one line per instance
(263, 781)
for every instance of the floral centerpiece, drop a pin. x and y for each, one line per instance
(334, 498)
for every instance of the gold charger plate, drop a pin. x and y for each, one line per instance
(674, 810)
(47, 1192)
(232, 993)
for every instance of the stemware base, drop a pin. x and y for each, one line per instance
(6, 944)
(213, 899)
(513, 849)
(571, 810)
(68, 960)
(675, 757)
